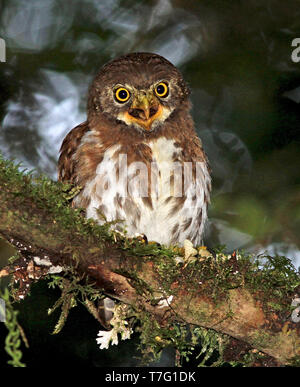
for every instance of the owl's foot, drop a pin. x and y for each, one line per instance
(141, 237)
(189, 253)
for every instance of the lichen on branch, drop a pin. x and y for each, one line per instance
(237, 295)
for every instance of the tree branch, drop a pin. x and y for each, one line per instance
(230, 295)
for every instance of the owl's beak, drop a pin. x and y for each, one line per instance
(144, 110)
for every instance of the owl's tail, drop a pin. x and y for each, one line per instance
(106, 311)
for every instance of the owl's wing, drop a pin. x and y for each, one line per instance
(67, 172)
(198, 155)
(66, 162)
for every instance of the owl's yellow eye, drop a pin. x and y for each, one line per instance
(122, 95)
(162, 90)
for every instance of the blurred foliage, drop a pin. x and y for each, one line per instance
(15, 332)
(272, 281)
(236, 57)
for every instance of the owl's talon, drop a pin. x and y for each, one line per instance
(141, 237)
(189, 250)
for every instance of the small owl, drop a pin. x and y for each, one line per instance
(137, 157)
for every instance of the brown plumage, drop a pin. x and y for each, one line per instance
(154, 130)
(137, 157)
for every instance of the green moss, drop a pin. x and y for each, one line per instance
(294, 362)
(15, 332)
(74, 289)
(203, 346)
(272, 280)
(141, 287)
(261, 339)
(252, 357)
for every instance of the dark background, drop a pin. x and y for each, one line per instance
(236, 57)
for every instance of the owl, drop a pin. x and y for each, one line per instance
(137, 157)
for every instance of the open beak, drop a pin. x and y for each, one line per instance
(144, 110)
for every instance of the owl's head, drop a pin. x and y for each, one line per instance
(141, 90)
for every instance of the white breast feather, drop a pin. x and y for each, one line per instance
(155, 222)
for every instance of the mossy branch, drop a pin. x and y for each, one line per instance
(232, 295)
